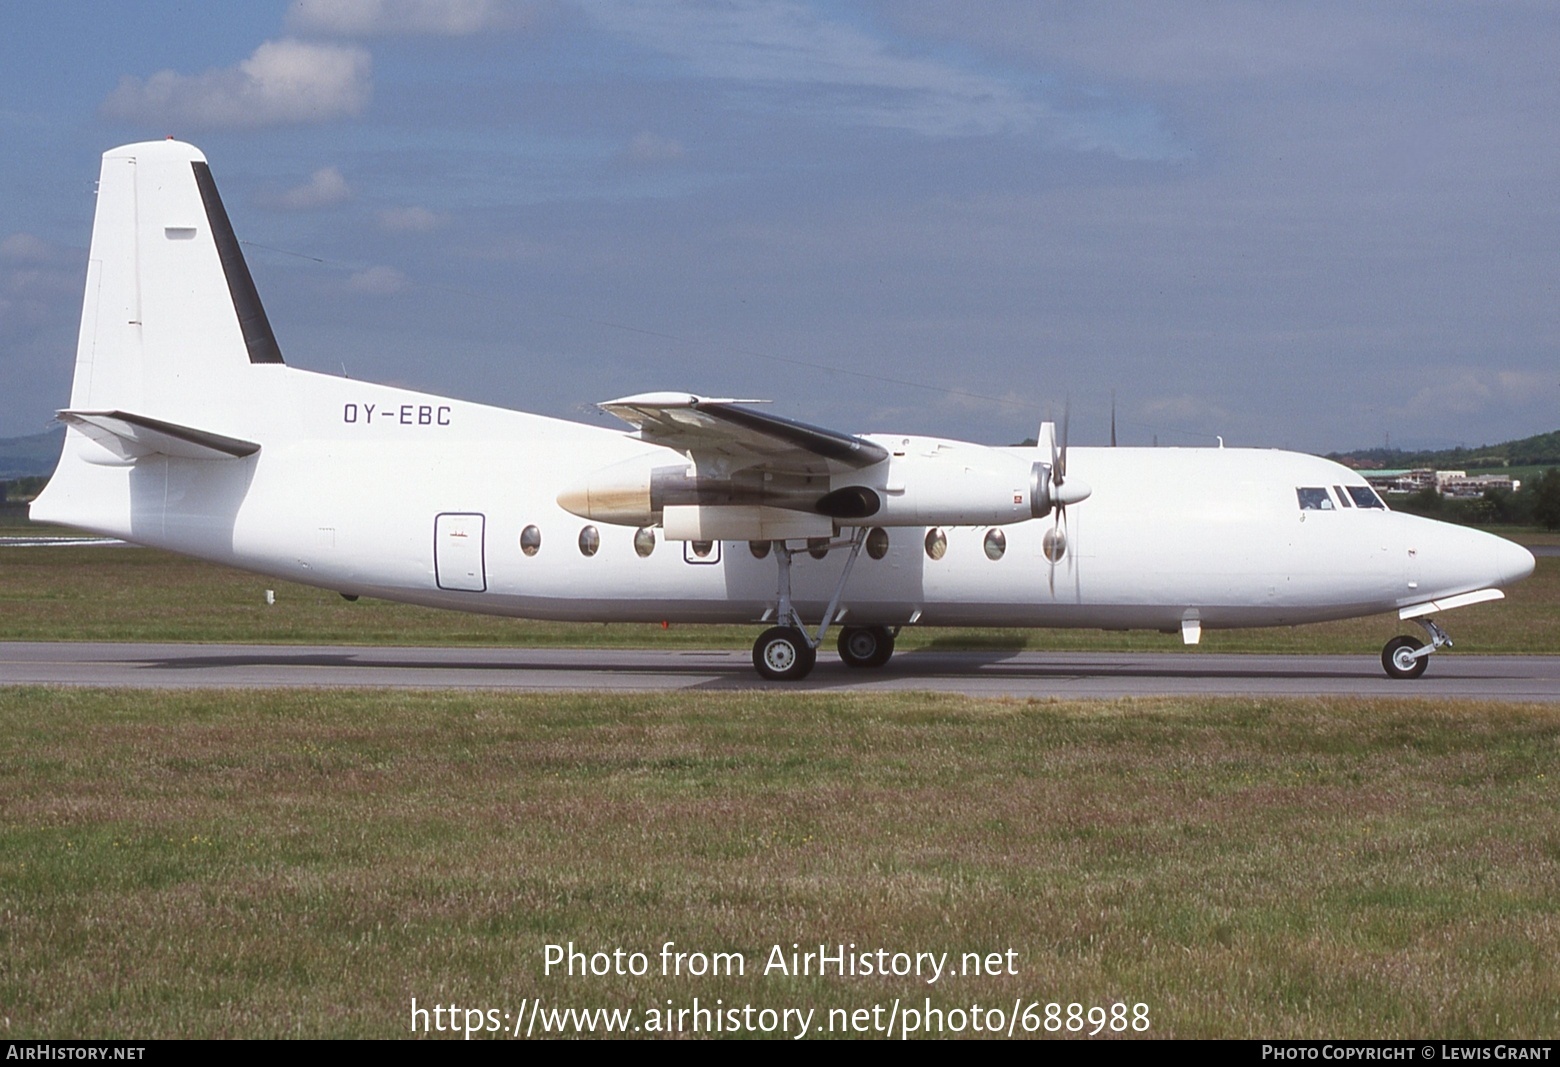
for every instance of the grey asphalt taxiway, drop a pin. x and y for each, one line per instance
(996, 673)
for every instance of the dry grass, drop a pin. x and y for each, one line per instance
(140, 595)
(267, 864)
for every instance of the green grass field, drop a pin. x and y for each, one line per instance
(305, 863)
(105, 594)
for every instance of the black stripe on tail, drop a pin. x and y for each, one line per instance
(258, 337)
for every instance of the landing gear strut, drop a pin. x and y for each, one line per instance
(1403, 657)
(787, 652)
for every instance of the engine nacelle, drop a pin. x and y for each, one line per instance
(934, 482)
(924, 482)
(638, 491)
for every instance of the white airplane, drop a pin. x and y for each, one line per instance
(188, 432)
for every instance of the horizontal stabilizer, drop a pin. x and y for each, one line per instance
(133, 436)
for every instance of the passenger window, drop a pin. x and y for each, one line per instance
(1365, 497)
(1314, 500)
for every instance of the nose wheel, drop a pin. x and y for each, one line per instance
(1404, 657)
(1401, 659)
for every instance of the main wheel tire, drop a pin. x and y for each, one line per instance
(1399, 660)
(783, 654)
(866, 646)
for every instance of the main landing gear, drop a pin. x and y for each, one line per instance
(866, 646)
(1404, 657)
(784, 654)
(787, 652)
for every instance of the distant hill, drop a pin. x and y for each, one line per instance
(29, 457)
(1540, 450)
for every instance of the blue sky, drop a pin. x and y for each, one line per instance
(1308, 225)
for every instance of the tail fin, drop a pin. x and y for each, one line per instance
(171, 320)
(171, 333)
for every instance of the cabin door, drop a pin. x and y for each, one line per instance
(458, 557)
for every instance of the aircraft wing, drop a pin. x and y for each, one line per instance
(729, 432)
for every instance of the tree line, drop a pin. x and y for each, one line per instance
(1540, 450)
(1537, 503)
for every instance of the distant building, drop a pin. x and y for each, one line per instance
(1401, 481)
(1459, 484)
(1447, 483)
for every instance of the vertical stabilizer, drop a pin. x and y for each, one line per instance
(173, 345)
(171, 321)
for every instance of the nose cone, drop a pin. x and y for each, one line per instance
(1512, 561)
(1447, 560)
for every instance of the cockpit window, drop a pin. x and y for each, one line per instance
(1343, 498)
(1365, 497)
(1314, 500)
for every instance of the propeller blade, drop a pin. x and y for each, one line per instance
(1072, 564)
(1055, 455)
(1051, 555)
(1061, 464)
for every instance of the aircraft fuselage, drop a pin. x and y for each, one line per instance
(351, 481)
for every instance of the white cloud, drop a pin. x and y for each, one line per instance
(1521, 385)
(1461, 392)
(647, 147)
(284, 81)
(40, 286)
(378, 281)
(1180, 44)
(409, 220)
(507, 248)
(1447, 394)
(859, 78)
(325, 188)
(397, 18)
(1185, 406)
(25, 248)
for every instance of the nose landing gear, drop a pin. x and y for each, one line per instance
(1403, 657)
